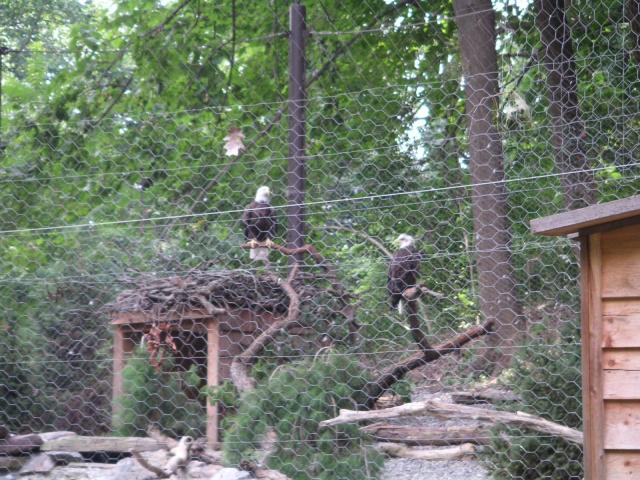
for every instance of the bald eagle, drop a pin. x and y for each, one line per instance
(403, 270)
(259, 222)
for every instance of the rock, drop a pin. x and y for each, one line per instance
(197, 469)
(41, 463)
(231, 474)
(11, 464)
(130, 469)
(64, 458)
(18, 444)
(75, 471)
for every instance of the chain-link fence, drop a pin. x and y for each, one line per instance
(144, 295)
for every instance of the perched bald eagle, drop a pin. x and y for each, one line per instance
(403, 270)
(259, 222)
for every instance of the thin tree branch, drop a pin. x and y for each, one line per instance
(158, 28)
(372, 240)
(158, 472)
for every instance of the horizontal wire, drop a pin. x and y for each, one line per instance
(295, 355)
(254, 161)
(153, 275)
(232, 107)
(92, 224)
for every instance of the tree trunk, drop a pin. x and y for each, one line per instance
(562, 91)
(632, 14)
(498, 302)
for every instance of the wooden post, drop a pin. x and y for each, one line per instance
(296, 176)
(213, 352)
(593, 414)
(118, 366)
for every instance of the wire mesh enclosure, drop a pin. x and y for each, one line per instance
(224, 221)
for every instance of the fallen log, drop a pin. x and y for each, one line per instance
(451, 410)
(80, 443)
(487, 395)
(421, 436)
(402, 451)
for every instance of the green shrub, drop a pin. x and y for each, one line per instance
(157, 398)
(547, 377)
(292, 401)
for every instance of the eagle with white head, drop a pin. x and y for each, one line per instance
(259, 222)
(403, 270)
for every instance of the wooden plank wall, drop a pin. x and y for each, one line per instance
(615, 335)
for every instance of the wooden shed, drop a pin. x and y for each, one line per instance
(210, 317)
(609, 236)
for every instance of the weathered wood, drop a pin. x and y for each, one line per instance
(620, 306)
(417, 435)
(591, 263)
(18, 444)
(621, 385)
(621, 359)
(47, 436)
(621, 331)
(213, 351)
(622, 465)
(622, 425)
(452, 410)
(103, 444)
(582, 218)
(486, 395)
(402, 451)
(621, 264)
(396, 372)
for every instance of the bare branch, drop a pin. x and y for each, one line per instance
(452, 410)
(158, 472)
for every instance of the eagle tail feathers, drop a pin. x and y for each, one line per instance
(401, 307)
(259, 254)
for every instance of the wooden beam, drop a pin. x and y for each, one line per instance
(103, 444)
(213, 352)
(118, 367)
(591, 328)
(582, 218)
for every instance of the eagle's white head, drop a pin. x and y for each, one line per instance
(405, 240)
(263, 195)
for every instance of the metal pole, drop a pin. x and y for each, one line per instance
(296, 174)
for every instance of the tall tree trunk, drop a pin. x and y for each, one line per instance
(476, 25)
(562, 87)
(632, 14)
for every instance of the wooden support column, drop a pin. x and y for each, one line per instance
(213, 351)
(118, 366)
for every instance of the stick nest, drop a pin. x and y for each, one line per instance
(214, 292)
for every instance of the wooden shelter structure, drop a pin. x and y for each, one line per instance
(208, 318)
(609, 236)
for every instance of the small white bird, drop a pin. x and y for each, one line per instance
(180, 455)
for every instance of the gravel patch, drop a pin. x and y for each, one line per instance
(402, 469)
(405, 469)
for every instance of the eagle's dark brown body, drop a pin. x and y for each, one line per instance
(259, 221)
(403, 272)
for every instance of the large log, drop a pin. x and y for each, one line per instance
(420, 436)
(451, 453)
(450, 410)
(487, 395)
(103, 444)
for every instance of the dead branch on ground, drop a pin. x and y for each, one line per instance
(451, 410)
(421, 436)
(402, 451)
